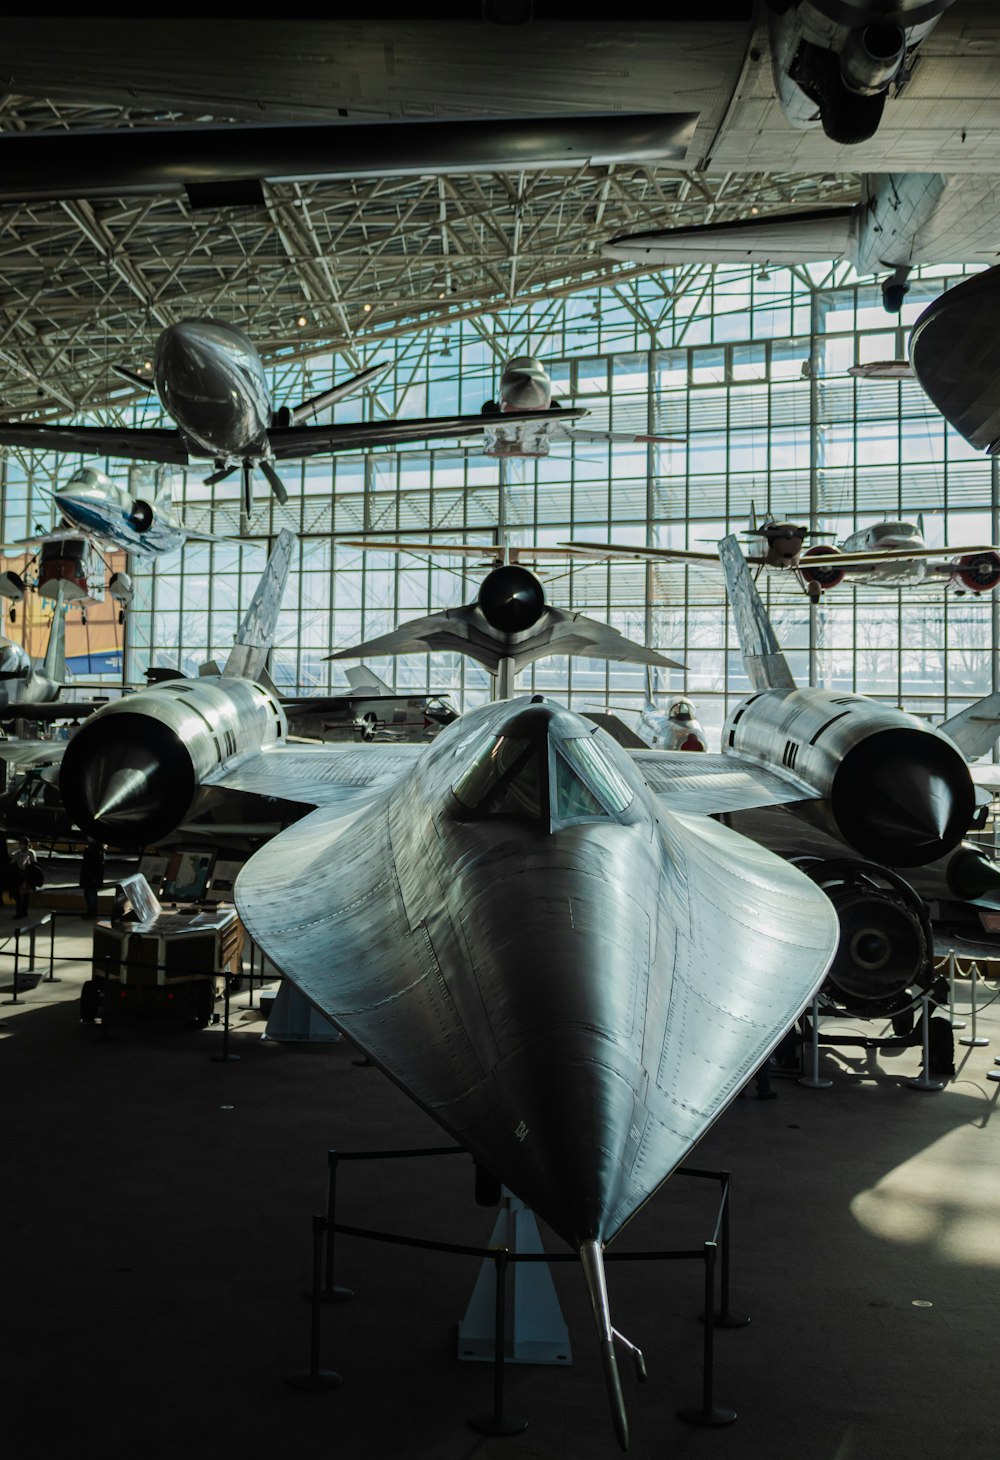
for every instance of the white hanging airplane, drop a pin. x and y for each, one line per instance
(884, 554)
(210, 378)
(101, 516)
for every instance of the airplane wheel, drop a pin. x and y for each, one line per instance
(847, 117)
(121, 615)
(13, 615)
(893, 296)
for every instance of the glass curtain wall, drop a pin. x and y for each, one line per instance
(747, 369)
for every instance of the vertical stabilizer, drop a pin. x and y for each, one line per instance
(765, 663)
(976, 729)
(365, 681)
(256, 634)
(54, 663)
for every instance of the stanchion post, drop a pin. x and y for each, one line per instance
(952, 971)
(333, 1292)
(225, 1055)
(52, 950)
(709, 1413)
(725, 1318)
(316, 1379)
(497, 1423)
(974, 1039)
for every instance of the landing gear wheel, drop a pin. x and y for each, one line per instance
(847, 117)
(13, 615)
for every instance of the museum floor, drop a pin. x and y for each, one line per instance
(156, 1242)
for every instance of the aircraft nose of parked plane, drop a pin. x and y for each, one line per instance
(565, 987)
(525, 386)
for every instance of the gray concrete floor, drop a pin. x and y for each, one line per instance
(156, 1241)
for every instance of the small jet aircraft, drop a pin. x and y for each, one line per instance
(372, 711)
(885, 555)
(210, 378)
(675, 728)
(100, 516)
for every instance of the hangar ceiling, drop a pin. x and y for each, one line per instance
(342, 265)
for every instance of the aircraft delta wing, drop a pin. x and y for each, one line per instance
(570, 978)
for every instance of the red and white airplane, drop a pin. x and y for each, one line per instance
(885, 554)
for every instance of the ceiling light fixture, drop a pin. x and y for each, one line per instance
(301, 321)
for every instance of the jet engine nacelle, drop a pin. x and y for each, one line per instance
(511, 599)
(838, 58)
(120, 587)
(131, 772)
(894, 788)
(978, 572)
(823, 577)
(142, 515)
(886, 945)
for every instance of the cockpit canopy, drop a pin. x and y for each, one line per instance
(682, 710)
(542, 767)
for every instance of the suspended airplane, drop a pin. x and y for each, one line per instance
(542, 938)
(101, 516)
(210, 378)
(903, 220)
(675, 728)
(883, 555)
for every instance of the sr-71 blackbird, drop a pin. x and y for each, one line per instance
(543, 939)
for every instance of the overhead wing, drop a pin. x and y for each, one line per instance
(585, 433)
(135, 443)
(620, 550)
(711, 782)
(789, 238)
(875, 556)
(288, 442)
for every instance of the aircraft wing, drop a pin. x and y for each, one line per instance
(620, 550)
(135, 443)
(712, 782)
(788, 238)
(50, 710)
(873, 558)
(288, 442)
(318, 775)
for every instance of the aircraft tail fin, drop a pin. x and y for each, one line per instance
(365, 681)
(975, 730)
(54, 663)
(256, 633)
(765, 663)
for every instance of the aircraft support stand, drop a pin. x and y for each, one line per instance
(924, 1081)
(813, 1081)
(496, 1422)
